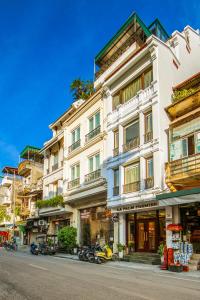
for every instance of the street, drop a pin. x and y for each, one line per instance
(23, 276)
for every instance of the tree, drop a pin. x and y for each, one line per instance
(81, 89)
(67, 236)
(3, 214)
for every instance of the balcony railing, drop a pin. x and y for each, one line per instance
(92, 134)
(115, 152)
(74, 146)
(73, 183)
(54, 167)
(149, 182)
(116, 191)
(131, 187)
(134, 143)
(148, 136)
(188, 166)
(93, 175)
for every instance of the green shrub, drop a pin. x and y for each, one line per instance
(67, 237)
(52, 202)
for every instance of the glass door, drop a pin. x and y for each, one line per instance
(151, 236)
(141, 236)
(146, 236)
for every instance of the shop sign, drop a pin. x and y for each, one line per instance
(137, 206)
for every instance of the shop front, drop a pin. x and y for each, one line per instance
(145, 230)
(96, 226)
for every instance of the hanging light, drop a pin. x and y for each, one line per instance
(187, 213)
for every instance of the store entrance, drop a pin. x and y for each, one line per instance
(146, 235)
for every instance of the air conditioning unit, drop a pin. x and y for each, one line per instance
(41, 222)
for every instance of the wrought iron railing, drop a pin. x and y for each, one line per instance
(74, 146)
(73, 183)
(148, 136)
(149, 182)
(93, 175)
(92, 133)
(134, 143)
(186, 166)
(131, 187)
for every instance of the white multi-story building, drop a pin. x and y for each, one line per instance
(137, 70)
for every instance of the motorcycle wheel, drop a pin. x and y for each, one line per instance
(98, 261)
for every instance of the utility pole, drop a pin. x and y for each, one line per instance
(14, 205)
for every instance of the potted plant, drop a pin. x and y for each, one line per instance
(131, 246)
(67, 237)
(121, 249)
(161, 251)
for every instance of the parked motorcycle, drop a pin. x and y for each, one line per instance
(88, 253)
(104, 255)
(34, 249)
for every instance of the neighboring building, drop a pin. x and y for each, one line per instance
(54, 216)
(137, 69)
(9, 188)
(31, 171)
(183, 169)
(85, 188)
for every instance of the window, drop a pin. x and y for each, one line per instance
(148, 127)
(55, 188)
(94, 163)
(132, 173)
(75, 135)
(131, 131)
(116, 143)
(116, 182)
(55, 158)
(139, 83)
(148, 78)
(149, 167)
(148, 122)
(94, 121)
(185, 147)
(116, 177)
(75, 171)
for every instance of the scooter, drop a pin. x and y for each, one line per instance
(34, 249)
(104, 255)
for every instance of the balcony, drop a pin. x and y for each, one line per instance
(116, 191)
(148, 136)
(131, 187)
(73, 183)
(5, 200)
(7, 181)
(74, 146)
(92, 176)
(92, 134)
(115, 152)
(54, 167)
(184, 172)
(149, 182)
(132, 144)
(24, 168)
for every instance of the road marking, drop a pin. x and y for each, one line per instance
(38, 267)
(156, 274)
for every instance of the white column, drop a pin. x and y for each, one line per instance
(141, 128)
(75, 222)
(121, 138)
(168, 220)
(122, 228)
(158, 179)
(116, 236)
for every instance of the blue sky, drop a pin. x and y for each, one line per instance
(45, 44)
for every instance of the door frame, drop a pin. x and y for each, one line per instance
(146, 222)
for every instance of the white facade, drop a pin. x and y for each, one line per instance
(171, 62)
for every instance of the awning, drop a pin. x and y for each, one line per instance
(179, 197)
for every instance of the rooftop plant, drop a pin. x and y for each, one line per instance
(81, 89)
(179, 95)
(52, 202)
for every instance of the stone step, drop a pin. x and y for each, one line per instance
(142, 258)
